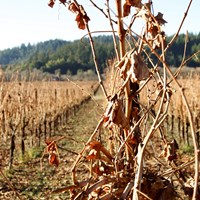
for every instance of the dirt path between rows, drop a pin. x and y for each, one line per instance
(27, 178)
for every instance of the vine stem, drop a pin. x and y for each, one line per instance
(181, 24)
(141, 148)
(95, 61)
(93, 51)
(127, 91)
(113, 32)
(194, 137)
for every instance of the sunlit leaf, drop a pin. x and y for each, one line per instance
(53, 160)
(81, 16)
(138, 70)
(80, 21)
(73, 8)
(126, 9)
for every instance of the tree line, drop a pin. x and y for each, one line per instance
(70, 56)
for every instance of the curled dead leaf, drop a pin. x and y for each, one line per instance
(53, 160)
(159, 18)
(51, 3)
(80, 21)
(114, 113)
(73, 8)
(169, 151)
(63, 1)
(81, 16)
(93, 155)
(154, 33)
(136, 3)
(126, 9)
(52, 150)
(138, 70)
(96, 145)
(130, 3)
(133, 66)
(95, 148)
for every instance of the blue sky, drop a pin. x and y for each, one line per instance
(24, 21)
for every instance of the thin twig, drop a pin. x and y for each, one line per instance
(95, 61)
(83, 91)
(113, 32)
(181, 24)
(184, 55)
(93, 32)
(96, 6)
(184, 165)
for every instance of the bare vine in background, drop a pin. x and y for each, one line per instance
(124, 171)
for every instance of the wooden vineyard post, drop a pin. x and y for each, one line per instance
(12, 149)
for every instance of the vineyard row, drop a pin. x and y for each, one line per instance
(30, 112)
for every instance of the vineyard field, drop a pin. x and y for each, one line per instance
(76, 114)
(33, 111)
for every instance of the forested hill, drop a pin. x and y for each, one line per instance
(68, 57)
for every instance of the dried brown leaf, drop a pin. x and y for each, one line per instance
(51, 3)
(138, 70)
(95, 147)
(169, 151)
(80, 21)
(159, 18)
(134, 3)
(115, 114)
(143, 13)
(130, 3)
(153, 30)
(73, 8)
(96, 170)
(63, 1)
(126, 9)
(81, 16)
(93, 155)
(155, 35)
(53, 160)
